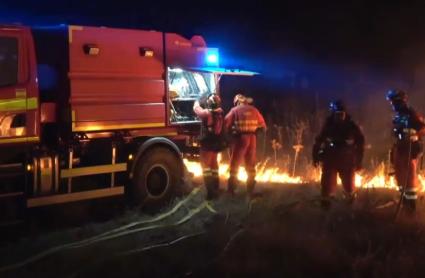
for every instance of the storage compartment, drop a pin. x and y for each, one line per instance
(185, 87)
(116, 79)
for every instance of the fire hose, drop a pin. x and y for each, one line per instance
(118, 232)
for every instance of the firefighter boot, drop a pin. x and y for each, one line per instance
(350, 197)
(232, 185)
(409, 201)
(250, 189)
(410, 206)
(325, 203)
(209, 185)
(216, 186)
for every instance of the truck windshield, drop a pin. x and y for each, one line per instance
(8, 61)
(186, 84)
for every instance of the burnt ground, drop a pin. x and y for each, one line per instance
(283, 233)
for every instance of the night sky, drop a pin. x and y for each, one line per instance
(315, 31)
(321, 40)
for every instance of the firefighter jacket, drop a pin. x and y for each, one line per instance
(212, 137)
(341, 142)
(244, 119)
(408, 128)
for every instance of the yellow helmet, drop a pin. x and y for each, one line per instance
(238, 99)
(213, 101)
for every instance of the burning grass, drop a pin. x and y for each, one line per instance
(377, 178)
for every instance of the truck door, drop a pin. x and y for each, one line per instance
(18, 96)
(18, 109)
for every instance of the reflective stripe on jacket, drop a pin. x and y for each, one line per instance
(244, 119)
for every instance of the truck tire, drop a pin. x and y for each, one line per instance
(157, 176)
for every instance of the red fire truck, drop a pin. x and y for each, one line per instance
(91, 112)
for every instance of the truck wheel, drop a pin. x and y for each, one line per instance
(156, 177)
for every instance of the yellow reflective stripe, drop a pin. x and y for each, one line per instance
(73, 197)
(32, 103)
(93, 170)
(246, 125)
(113, 127)
(19, 140)
(17, 104)
(246, 122)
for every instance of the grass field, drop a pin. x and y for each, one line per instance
(285, 233)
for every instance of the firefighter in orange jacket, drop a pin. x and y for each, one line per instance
(408, 128)
(242, 122)
(339, 148)
(211, 140)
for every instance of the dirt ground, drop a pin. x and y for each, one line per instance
(283, 233)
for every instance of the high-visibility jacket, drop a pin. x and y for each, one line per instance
(244, 118)
(341, 142)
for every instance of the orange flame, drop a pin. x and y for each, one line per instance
(375, 179)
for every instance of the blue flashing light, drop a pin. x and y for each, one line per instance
(212, 57)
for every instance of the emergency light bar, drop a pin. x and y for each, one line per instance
(225, 71)
(212, 57)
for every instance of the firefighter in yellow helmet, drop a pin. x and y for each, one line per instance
(242, 121)
(212, 141)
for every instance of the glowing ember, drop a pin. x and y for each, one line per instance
(376, 179)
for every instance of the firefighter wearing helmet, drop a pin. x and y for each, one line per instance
(242, 122)
(408, 128)
(212, 141)
(339, 149)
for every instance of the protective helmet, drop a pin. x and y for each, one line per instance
(397, 95)
(213, 101)
(239, 98)
(336, 106)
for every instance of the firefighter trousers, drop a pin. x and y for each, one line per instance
(243, 150)
(210, 173)
(330, 171)
(405, 173)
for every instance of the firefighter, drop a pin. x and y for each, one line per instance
(339, 149)
(212, 141)
(243, 121)
(408, 128)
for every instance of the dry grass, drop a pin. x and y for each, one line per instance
(284, 233)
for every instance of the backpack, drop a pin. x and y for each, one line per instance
(213, 137)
